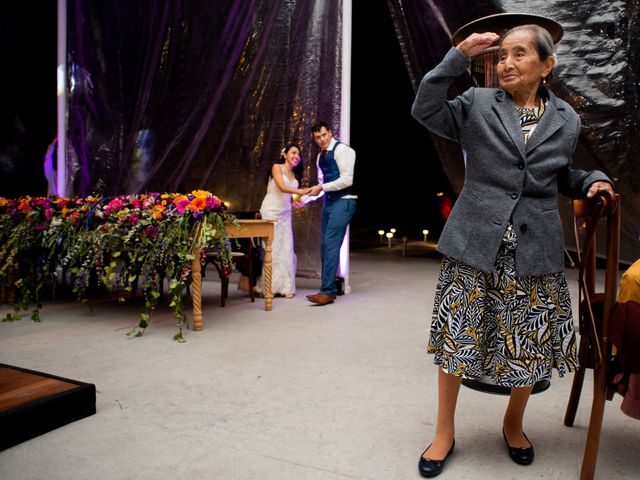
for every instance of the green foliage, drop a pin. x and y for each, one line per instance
(117, 244)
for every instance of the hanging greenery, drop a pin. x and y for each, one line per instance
(120, 243)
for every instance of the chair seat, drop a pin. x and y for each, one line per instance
(245, 259)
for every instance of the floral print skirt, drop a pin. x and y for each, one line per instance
(511, 329)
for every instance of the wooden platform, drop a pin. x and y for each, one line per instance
(33, 403)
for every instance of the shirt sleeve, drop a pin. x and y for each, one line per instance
(320, 175)
(345, 158)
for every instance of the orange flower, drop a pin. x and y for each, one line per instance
(198, 204)
(157, 210)
(24, 205)
(4, 202)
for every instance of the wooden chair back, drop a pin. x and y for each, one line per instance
(594, 312)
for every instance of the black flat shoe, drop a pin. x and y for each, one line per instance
(432, 468)
(522, 456)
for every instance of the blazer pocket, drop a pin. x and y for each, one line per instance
(551, 206)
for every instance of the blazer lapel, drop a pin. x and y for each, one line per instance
(551, 120)
(506, 111)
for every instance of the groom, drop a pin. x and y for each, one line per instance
(335, 162)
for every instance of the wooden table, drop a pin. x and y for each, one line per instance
(244, 229)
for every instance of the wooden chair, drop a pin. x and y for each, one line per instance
(595, 311)
(243, 258)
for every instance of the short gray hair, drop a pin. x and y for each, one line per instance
(542, 41)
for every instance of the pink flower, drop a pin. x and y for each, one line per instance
(182, 205)
(114, 205)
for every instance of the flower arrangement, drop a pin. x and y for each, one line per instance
(118, 243)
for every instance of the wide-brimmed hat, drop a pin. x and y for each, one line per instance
(501, 23)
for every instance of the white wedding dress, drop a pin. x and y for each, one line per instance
(277, 206)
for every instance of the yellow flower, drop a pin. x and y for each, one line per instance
(201, 193)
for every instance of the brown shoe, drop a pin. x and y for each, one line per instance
(321, 299)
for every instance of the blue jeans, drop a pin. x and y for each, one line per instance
(336, 215)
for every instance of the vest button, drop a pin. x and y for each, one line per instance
(521, 166)
(523, 227)
(514, 195)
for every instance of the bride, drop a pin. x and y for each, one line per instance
(283, 182)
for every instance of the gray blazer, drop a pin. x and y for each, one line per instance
(504, 178)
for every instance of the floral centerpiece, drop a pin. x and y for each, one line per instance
(120, 243)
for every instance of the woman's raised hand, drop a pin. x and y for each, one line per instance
(476, 42)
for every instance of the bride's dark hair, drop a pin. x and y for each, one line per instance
(298, 171)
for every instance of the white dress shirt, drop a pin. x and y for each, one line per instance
(345, 158)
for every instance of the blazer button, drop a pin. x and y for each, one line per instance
(523, 227)
(514, 195)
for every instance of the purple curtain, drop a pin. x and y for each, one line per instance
(598, 74)
(184, 94)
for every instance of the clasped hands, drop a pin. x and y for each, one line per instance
(311, 191)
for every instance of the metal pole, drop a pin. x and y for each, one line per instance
(61, 164)
(345, 119)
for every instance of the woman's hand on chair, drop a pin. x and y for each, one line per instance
(599, 187)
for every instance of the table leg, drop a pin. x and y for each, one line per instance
(196, 292)
(268, 296)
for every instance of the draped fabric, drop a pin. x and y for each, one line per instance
(184, 94)
(598, 74)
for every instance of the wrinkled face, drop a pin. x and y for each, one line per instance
(520, 69)
(323, 138)
(292, 157)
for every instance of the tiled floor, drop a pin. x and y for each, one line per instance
(344, 391)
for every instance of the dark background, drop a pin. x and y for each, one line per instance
(398, 173)
(28, 53)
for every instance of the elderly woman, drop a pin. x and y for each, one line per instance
(502, 306)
